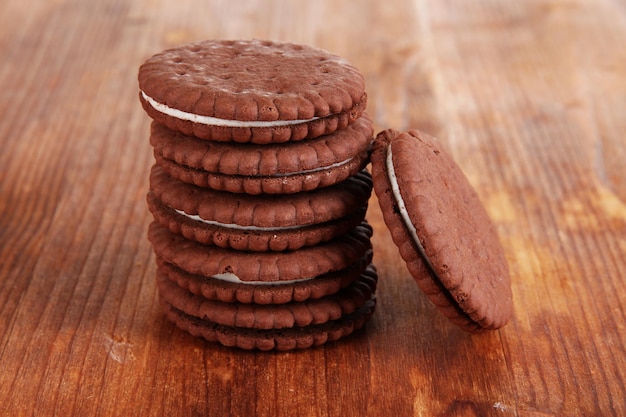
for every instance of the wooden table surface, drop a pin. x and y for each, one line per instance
(530, 98)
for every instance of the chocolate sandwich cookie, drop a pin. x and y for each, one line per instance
(269, 169)
(220, 288)
(240, 266)
(275, 339)
(288, 338)
(251, 91)
(271, 316)
(258, 222)
(442, 230)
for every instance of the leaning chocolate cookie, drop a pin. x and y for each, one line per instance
(442, 230)
(251, 91)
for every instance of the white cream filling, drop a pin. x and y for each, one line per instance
(391, 173)
(310, 171)
(230, 277)
(236, 226)
(214, 121)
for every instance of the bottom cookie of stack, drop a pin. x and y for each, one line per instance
(293, 325)
(267, 300)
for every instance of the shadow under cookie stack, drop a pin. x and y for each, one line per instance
(259, 192)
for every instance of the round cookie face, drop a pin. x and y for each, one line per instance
(251, 91)
(258, 222)
(269, 169)
(442, 230)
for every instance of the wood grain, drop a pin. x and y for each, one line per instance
(529, 97)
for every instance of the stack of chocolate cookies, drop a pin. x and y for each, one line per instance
(259, 192)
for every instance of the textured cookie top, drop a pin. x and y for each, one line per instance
(252, 81)
(443, 218)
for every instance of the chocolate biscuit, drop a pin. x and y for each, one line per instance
(251, 91)
(269, 169)
(305, 263)
(271, 316)
(274, 339)
(214, 288)
(258, 222)
(442, 230)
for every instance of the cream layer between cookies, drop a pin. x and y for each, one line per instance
(230, 277)
(395, 189)
(314, 170)
(236, 226)
(214, 121)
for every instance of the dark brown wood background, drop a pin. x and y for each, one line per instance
(530, 98)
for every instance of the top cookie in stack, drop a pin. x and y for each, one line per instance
(259, 192)
(251, 91)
